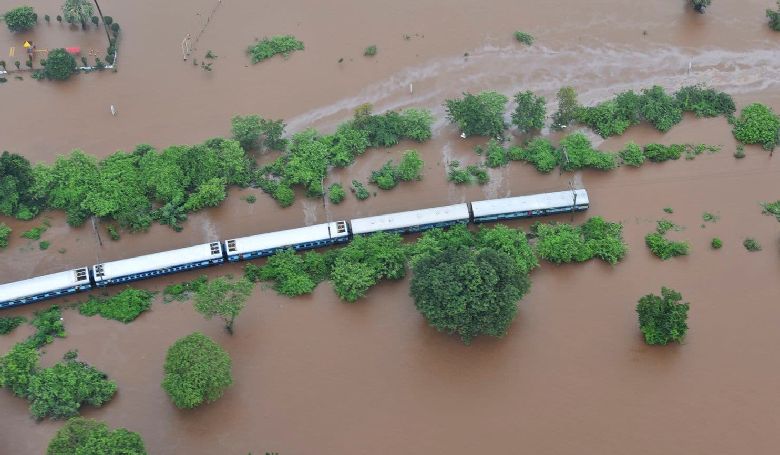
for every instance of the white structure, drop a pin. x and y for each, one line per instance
(150, 265)
(412, 221)
(529, 206)
(260, 245)
(44, 287)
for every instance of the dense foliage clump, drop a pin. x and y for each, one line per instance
(366, 260)
(663, 248)
(662, 319)
(336, 193)
(254, 132)
(20, 19)
(751, 244)
(183, 290)
(60, 65)
(596, 238)
(9, 323)
(197, 371)
(123, 307)
(222, 298)
(659, 153)
(470, 174)
(495, 154)
(524, 38)
(758, 124)
(774, 18)
(705, 102)
(716, 243)
(540, 152)
(568, 108)
(275, 45)
(80, 436)
(293, 274)
(772, 208)
(479, 115)
(48, 325)
(530, 112)
(700, 5)
(576, 152)
(409, 169)
(5, 233)
(632, 155)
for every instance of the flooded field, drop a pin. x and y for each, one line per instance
(315, 375)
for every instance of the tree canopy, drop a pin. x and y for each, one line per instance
(224, 299)
(479, 115)
(80, 436)
(59, 65)
(758, 124)
(20, 19)
(77, 11)
(468, 291)
(197, 371)
(530, 112)
(662, 319)
(366, 260)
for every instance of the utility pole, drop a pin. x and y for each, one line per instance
(104, 21)
(574, 203)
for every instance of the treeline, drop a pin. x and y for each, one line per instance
(144, 186)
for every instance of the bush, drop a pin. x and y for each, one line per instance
(293, 274)
(59, 65)
(416, 124)
(740, 153)
(660, 109)
(44, 245)
(757, 124)
(384, 178)
(705, 102)
(336, 193)
(751, 244)
(524, 38)
(662, 319)
(246, 130)
(183, 290)
(366, 260)
(576, 152)
(716, 243)
(563, 243)
(530, 112)
(479, 173)
(17, 368)
(658, 153)
(468, 291)
(60, 391)
(5, 233)
(457, 175)
(700, 5)
(9, 323)
(48, 325)
(774, 18)
(197, 371)
(124, 307)
(495, 154)
(612, 117)
(370, 51)
(410, 167)
(479, 115)
(632, 155)
(772, 208)
(663, 248)
(568, 108)
(539, 152)
(35, 233)
(268, 47)
(113, 233)
(88, 436)
(360, 191)
(20, 19)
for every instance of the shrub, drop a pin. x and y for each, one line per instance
(468, 291)
(740, 153)
(293, 274)
(183, 290)
(568, 108)
(124, 307)
(20, 19)
(17, 368)
(59, 392)
(564, 243)
(524, 38)
(658, 153)
(384, 178)
(612, 117)
(36, 232)
(716, 243)
(700, 5)
(268, 47)
(370, 51)
(59, 18)
(88, 436)
(757, 124)
(662, 319)
(576, 152)
(632, 155)
(539, 152)
(9, 323)
(44, 245)
(710, 217)
(663, 248)
(360, 191)
(416, 124)
(197, 371)
(479, 115)
(59, 65)
(48, 324)
(457, 175)
(751, 244)
(5, 233)
(668, 210)
(530, 112)
(366, 260)
(495, 154)
(479, 173)
(660, 109)
(336, 193)
(772, 208)
(47, 18)
(410, 167)
(246, 130)
(774, 18)
(705, 102)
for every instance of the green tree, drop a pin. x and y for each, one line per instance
(568, 108)
(77, 11)
(632, 155)
(197, 371)
(123, 307)
(468, 291)
(5, 232)
(246, 130)
(757, 124)
(208, 194)
(20, 19)
(224, 299)
(530, 112)
(539, 152)
(512, 242)
(366, 260)
(662, 319)
(385, 177)
(661, 110)
(80, 436)
(293, 274)
(336, 193)
(576, 152)
(17, 368)
(16, 185)
(774, 18)
(700, 5)
(416, 124)
(9, 323)
(410, 167)
(479, 115)
(59, 65)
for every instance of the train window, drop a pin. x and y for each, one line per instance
(231, 245)
(341, 227)
(214, 248)
(99, 270)
(81, 274)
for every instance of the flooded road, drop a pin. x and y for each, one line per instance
(314, 375)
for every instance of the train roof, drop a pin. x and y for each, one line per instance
(278, 239)
(162, 260)
(42, 284)
(401, 220)
(528, 203)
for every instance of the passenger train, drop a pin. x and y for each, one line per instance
(260, 245)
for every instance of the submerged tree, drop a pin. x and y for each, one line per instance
(197, 371)
(774, 18)
(479, 115)
(224, 299)
(662, 319)
(82, 436)
(568, 108)
(59, 65)
(77, 11)
(700, 5)
(530, 112)
(20, 19)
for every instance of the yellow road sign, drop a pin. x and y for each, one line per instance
(11, 51)
(27, 44)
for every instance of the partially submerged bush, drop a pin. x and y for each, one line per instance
(524, 38)
(336, 193)
(20, 19)
(59, 65)
(495, 154)
(80, 436)
(716, 243)
(705, 102)
(772, 208)
(576, 152)
(530, 112)
(659, 153)
(360, 191)
(370, 51)
(9, 323)
(757, 124)
(563, 243)
(275, 45)
(539, 152)
(751, 244)
(774, 18)
(123, 307)
(479, 115)
(5, 233)
(197, 371)
(632, 155)
(662, 319)
(661, 246)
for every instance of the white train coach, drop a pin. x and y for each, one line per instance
(412, 221)
(44, 287)
(304, 238)
(530, 206)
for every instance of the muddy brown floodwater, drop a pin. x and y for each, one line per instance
(316, 376)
